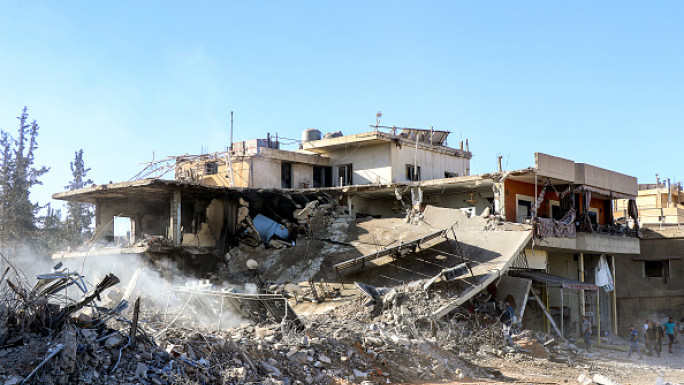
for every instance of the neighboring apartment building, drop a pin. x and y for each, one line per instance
(570, 205)
(369, 158)
(389, 157)
(573, 222)
(651, 286)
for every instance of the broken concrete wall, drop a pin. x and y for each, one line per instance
(203, 224)
(150, 218)
(459, 201)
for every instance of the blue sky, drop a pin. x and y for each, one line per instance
(594, 81)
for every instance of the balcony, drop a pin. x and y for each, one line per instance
(590, 238)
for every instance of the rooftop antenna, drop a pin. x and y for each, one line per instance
(378, 115)
(230, 153)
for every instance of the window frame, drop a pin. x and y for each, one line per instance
(526, 198)
(665, 274)
(410, 175)
(347, 177)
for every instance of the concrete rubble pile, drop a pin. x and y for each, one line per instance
(391, 338)
(372, 335)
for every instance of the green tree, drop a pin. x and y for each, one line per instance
(18, 214)
(52, 232)
(79, 214)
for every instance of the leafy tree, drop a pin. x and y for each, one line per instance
(18, 213)
(79, 214)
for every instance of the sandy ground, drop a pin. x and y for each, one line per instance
(612, 364)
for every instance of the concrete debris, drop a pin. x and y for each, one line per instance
(276, 317)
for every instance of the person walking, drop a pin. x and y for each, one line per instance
(507, 318)
(634, 342)
(586, 332)
(659, 334)
(649, 337)
(670, 332)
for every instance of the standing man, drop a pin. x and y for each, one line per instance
(634, 342)
(586, 332)
(659, 334)
(670, 332)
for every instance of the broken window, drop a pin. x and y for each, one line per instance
(524, 209)
(448, 174)
(344, 174)
(658, 269)
(412, 173)
(286, 175)
(210, 168)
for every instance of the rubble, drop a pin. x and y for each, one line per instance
(432, 320)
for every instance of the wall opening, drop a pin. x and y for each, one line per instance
(657, 269)
(344, 174)
(322, 176)
(210, 168)
(285, 175)
(412, 173)
(123, 230)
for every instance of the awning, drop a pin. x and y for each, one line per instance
(604, 192)
(555, 280)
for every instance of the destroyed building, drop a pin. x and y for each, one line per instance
(568, 205)
(377, 157)
(651, 288)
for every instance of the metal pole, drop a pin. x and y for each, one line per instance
(415, 161)
(614, 297)
(230, 152)
(598, 314)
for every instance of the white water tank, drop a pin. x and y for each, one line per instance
(310, 134)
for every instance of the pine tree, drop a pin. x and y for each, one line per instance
(52, 234)
(79, 215)
(18, 213)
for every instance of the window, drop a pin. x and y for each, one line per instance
(523, 207)
(556, 212)
(344, 175)
(411, 173)
(285, 175)
(593, 216)
(658, 269)
(210, 168)
(448, 174)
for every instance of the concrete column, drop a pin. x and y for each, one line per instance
(613, 296)
(581, 278)
(349, 203)
(598, 315)
(175, 218)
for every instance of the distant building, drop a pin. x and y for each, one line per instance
(651, 286)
